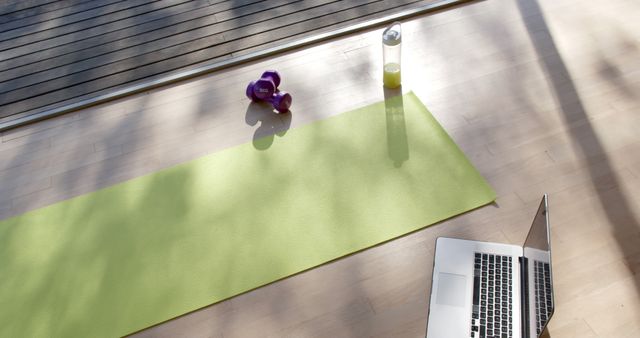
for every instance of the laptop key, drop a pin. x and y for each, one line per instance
(493, 286)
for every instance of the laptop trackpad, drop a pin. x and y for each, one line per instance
(451, 289)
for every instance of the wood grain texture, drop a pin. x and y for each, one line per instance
(542, 95)
(64, 8)
(119, 44)
(18, 9)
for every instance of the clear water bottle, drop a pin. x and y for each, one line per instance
(391, 42)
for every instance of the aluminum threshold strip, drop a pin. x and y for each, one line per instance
(221, 65)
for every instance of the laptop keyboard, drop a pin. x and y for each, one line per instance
(543, 303)
(492, 297)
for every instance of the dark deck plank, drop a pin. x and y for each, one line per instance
(174, 20)
(64, 13)
(133, 23)
(42, 35)
(157, 40)
(15, 8)
(225, 31)
(217, 45)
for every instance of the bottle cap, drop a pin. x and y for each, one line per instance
(392, 35)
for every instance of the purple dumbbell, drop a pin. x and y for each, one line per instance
(265, 87)
(281, 101)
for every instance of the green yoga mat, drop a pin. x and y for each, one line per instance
(135, 254)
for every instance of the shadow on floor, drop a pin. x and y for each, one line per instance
(586, 143)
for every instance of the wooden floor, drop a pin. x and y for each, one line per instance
(57, 52)
(542, 95)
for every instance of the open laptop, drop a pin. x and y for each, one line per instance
(483, 290)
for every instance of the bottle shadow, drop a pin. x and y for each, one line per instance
(271, 123)
(397, 141)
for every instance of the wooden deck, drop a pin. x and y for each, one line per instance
(55, 52)
(542, 96)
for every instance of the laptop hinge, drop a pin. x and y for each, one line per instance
(524, 296)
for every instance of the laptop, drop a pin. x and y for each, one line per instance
(482, 290)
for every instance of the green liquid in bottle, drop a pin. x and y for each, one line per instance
(391, 78)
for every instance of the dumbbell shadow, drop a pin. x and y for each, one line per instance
(271, 123)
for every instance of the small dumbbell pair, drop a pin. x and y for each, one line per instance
(266, 89)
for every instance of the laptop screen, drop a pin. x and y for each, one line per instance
(537, 251)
